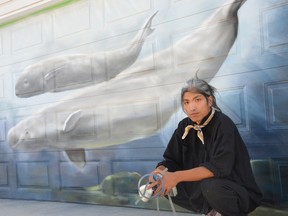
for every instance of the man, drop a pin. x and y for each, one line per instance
(207, 159)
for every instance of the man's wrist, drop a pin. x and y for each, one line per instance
(178, 176)
(160, 170)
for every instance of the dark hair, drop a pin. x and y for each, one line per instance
(202, 87)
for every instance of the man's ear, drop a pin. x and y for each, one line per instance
(210, 101)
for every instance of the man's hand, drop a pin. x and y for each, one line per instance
(164, 184)
(170, 181)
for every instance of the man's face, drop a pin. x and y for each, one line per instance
(196, 106)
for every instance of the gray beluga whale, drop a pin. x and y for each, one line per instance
(101, 115)
(78, 124)
(206, 48)
(72, 71)
(214, 44)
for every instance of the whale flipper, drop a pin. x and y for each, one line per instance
(77, 156)
(53, 73)
(71, 121)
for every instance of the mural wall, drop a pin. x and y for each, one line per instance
(89, 92)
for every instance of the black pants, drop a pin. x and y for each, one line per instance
(226, 197)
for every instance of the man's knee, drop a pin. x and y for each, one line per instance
(209, 187)
(225, 196)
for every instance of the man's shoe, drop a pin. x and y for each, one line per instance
(213, 213)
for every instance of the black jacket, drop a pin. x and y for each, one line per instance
(224, 153)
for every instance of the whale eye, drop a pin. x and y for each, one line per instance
(27, 132)
(26, 82)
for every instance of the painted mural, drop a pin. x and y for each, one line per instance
(90, 99)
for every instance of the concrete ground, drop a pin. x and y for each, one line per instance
(9, 207)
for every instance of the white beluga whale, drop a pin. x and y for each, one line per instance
(100, 115)
(72, 71)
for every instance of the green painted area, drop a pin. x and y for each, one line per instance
(44, 10)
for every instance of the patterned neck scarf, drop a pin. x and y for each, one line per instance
(198, 127)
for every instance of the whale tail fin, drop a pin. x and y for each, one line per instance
(147, 29)
(149, 23)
